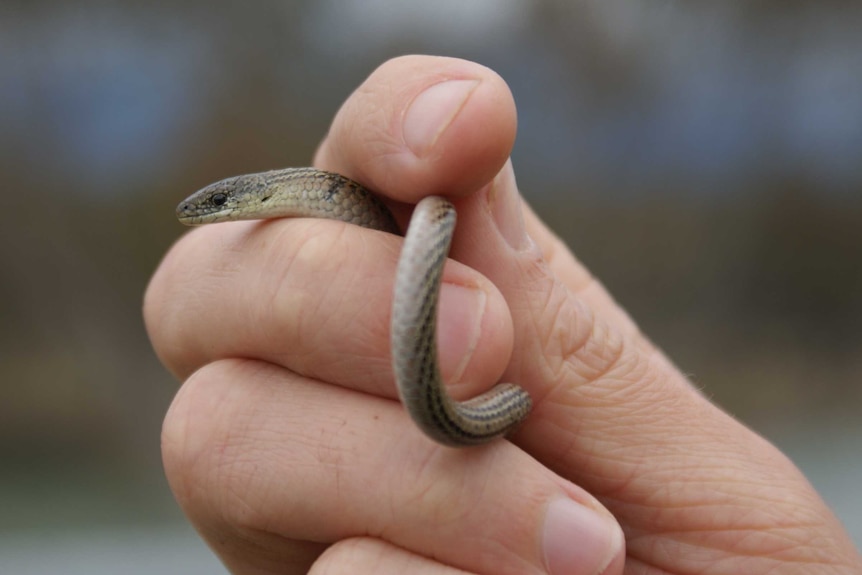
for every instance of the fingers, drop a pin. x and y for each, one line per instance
(262, 459)
(313, 296)
(611, 412)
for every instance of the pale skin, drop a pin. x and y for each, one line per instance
(286, 446)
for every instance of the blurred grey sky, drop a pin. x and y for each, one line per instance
(717, 95)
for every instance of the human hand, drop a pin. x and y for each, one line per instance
(285, 445)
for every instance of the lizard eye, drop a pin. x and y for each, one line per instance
(219, 199)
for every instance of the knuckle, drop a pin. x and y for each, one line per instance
(207, 459)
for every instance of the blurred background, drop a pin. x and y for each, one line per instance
(702, 158)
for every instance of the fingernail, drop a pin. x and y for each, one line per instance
(432, 111)
(460, 326)
(577, 539)
(505, 205)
